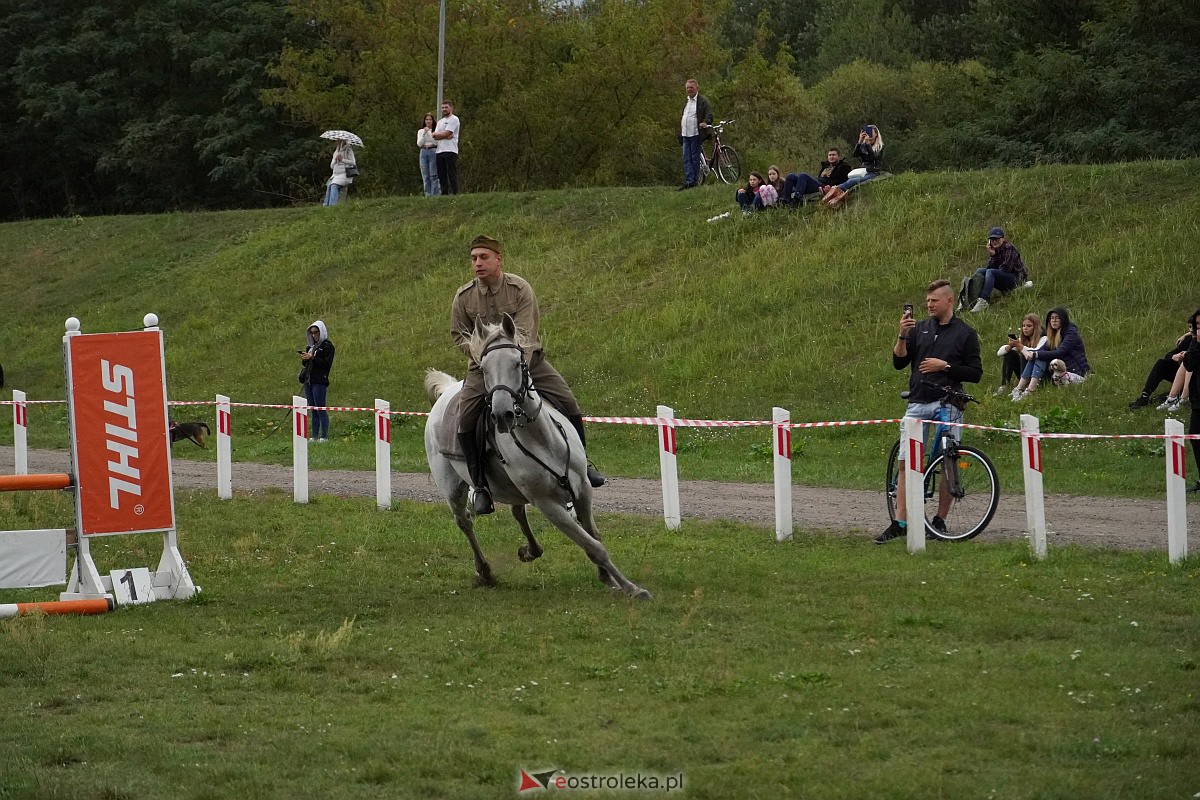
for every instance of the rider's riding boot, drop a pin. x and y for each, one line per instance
(483, 496)
(594, 477)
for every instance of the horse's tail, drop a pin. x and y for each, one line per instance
(436, 383)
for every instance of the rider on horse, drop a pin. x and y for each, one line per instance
(487, 298)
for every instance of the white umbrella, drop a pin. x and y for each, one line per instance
(343, 136)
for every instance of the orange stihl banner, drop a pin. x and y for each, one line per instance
(118, 401)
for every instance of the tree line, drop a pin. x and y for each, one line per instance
(141, 106)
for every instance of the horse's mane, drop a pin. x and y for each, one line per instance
(487, 332)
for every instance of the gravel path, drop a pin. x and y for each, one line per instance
(1090, 521)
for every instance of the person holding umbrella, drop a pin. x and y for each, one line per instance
(343, 165)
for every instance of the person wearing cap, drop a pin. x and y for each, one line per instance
(492, 294)
(1005, 270)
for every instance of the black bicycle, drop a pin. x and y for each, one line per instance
(723, 160)
(958, 477)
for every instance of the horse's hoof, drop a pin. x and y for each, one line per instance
(643, 594)
(524, 554)
(487, 581)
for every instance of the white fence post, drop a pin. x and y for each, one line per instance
(781, 428)
(299, 449)
(224, 449)
(1035, 499)
(20, 433)
(914, 483)
(1176, 491)
(383, 454)
(668, 467)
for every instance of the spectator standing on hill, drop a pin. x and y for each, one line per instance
(869, 151)
(317, 360)
(1005, 270)
(833, 171)
(427, 146)
(343, 159)
(693, 130)
(492, 294)
(446, 135)
(1170, 368)
(943, 351)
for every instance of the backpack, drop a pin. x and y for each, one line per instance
(972, 287)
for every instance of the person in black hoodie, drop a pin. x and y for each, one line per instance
(317, 359)
(1191, 362)
(869, 151)
(1063, 352)
(833, 171)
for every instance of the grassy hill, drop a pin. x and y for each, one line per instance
(642, 302)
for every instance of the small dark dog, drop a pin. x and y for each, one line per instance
(193, 431)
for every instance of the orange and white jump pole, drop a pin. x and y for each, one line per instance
(100, 605)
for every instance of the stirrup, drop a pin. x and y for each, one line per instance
(482, 503)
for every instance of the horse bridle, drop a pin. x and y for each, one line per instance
(521, 392)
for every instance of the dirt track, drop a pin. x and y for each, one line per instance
(1090, 521)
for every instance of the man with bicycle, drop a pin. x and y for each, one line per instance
(944, 352)
(697, 118)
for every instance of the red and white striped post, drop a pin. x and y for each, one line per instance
(224, 449)
(1176, 491)
(299, 449)
(914, 483)
(20, 433)
(668, 467)
(1035, 498)
(383, 454)
(782, 431)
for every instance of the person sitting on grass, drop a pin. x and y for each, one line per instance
(1005, 270)
(756, 194)
(869, 151)
(1191, 363)
(1018, 353)
(1063, 352)
(798, 186)
(1169, 368)
(775, 178)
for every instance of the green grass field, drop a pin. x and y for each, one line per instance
(642, 303)
(341, 652)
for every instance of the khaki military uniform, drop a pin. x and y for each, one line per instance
(514, 296)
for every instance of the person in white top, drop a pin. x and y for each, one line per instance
(693, 130)
(335, 187)
(446, 135)
(428, 146)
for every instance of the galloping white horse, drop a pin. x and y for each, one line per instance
(540, 458)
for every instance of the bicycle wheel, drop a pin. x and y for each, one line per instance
(972, 504)
(729, 166)
(889, 483)
(705, 170)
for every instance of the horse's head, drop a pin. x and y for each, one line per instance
(501, 358)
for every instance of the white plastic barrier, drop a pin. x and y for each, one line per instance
(299, 449)
(1035, 501)
(782, 431)
(20, 433)
(669, 467)
(383, 453)
(224, 449)
(1176, 457)
(914, 483)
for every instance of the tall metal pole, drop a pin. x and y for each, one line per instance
(441, 56)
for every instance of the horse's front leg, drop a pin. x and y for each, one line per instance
(532, 549)
(565, 521)
(462, 517)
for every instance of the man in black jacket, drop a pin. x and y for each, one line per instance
(697, 118)
(943, 351)
(833, 171)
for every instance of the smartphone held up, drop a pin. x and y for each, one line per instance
(908, 310)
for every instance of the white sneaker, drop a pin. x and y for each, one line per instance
(1016, 394)
(1177, 405)
(980, 305)
(1167, 404)
(1023, 396)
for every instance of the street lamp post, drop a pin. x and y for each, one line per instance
(441, 54)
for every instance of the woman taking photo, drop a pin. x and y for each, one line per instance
(428, 149)
(1018, 354)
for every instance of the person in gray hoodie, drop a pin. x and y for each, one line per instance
(317, 359)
